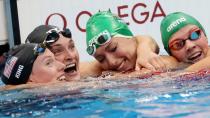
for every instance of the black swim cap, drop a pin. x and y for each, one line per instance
(18, 64)
(39, 34)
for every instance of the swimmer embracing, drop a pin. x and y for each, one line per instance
(115, 47)
(65, 51)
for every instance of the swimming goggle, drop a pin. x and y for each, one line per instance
(177, 45)
(53, 35)
(39, 48)
(99, 40)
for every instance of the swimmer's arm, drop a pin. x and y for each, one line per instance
(21, 86)
(92, 68)
(147, 43)
(202, 64)
(172, 63)
(147, 54)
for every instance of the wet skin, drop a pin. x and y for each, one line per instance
(46, 69)
(119, 54)
(65, 51)
(193, 51)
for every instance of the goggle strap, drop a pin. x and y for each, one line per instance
(50, 41)
(123, 36)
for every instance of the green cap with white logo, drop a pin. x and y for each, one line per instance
(105, 21)
(173, 23)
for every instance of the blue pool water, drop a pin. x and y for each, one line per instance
(157, 96)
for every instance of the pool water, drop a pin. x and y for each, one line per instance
(157, 96)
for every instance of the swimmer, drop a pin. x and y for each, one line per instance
(31, 64)
(62, 45)
(185, 39)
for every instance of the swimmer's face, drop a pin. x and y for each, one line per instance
(189, 44)
(46, 69)
(65, 51)
(119, 54)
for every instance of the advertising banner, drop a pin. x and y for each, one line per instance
(142, 16)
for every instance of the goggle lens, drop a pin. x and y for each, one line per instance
(66, 33)
(91, 50)
(195, 35)
(52, 37)
(102, 39)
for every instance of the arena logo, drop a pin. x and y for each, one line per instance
(19, 71)
(175, 23)
(121, 11)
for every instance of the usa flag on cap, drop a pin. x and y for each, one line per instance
(11, 61)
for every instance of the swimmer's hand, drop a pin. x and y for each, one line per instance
(151, 61)
(147, 54)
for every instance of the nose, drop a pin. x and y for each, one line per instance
(190, 45)
(112, 62)
(69, 55)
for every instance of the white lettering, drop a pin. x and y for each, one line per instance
(175, 23)
(18, 73)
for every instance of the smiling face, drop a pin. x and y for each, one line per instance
(66, 52)
(119, 54)
(46, 69)
(193, 50)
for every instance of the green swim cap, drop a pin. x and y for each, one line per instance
(174, 22)
(105, 21)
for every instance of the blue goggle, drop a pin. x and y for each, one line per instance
(39, 48)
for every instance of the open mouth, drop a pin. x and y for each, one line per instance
(70, 68)
(61, 78)
(195, 56)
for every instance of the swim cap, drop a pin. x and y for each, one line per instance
(18, 65)
(102, 21)
(174, 22)
(39, 34)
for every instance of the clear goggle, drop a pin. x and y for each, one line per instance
(99, 40)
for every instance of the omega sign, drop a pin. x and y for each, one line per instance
(140, 18)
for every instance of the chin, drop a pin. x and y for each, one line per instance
(72, 77)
